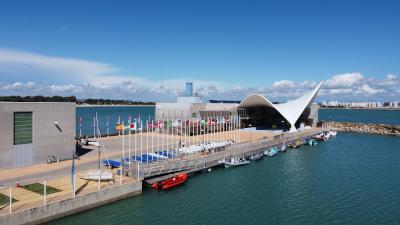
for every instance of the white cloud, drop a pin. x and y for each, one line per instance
(346, 80)
(42, 68)
(28, 73)
(283, 84)
(365, 88)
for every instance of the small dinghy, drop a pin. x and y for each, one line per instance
(271, 152)
(98, 175)
(333, 133)
(171, 182)
(283, 148)
(112, 163)
(256, 157)
(311, 142)
(234, 162)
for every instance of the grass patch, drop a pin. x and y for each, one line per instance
(39, 188)
(5, 200)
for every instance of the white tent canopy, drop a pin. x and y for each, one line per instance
(290, 110)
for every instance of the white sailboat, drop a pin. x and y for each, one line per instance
(97, 175)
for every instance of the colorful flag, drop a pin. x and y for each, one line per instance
(119, 126)
(132, 126)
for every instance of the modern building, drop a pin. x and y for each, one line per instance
(263, 113)
(189, 89)
(30, 132)
(189, 98)
(255, 111)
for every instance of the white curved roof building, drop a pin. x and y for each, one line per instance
(290, 111)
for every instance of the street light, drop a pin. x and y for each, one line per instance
(283, 126)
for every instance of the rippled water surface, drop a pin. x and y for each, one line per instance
(361, 116)
(353, 179)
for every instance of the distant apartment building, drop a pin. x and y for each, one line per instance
(359, 104)
(30, 132)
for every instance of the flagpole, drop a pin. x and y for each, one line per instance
(94, 128)
(181, 135)
(147, 141)
(162, 136)
(167, 136)
(80, 127)
(152, 137)
(123, 142)
(129, 144)
(141, 141)
(134, 139)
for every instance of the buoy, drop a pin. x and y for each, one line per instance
(209, 169)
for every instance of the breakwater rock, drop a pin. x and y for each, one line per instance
(383, 129)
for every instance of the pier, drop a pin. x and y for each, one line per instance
(381, 129)
(202, 161)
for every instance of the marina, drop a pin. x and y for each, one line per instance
(308, 185)
(167, 168)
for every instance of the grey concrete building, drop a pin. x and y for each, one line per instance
(30, 132)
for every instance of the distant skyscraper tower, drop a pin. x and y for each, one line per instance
(189, 89)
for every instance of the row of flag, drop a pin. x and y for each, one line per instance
(170, 123)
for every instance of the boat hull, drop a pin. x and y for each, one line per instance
(171, 182)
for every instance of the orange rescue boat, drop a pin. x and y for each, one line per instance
(171, 182)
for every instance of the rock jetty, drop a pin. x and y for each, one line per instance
(382, 129)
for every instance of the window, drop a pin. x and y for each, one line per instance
(22, 128)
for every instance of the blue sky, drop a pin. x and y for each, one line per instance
(229, 48)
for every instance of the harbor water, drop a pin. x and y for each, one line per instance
(109, 116)
(351, 179)
(391, 117)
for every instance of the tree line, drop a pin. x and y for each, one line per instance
(89, 101)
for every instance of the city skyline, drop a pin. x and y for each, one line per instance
(144, 51)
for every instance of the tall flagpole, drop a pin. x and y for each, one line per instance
(94, 128)
(147, 141)
(135, 138)
(181, 135)
(185, 137)
(167, 136)
(123, 144)
(162, 136)
(129, 145)
(152, 137)
(141, 141)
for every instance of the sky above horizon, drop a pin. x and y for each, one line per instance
(147, 50)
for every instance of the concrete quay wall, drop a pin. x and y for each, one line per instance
(55, 210)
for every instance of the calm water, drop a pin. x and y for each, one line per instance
(353, 179)
(361, 116)
(108, 116)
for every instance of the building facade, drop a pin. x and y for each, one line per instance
(31, 132)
